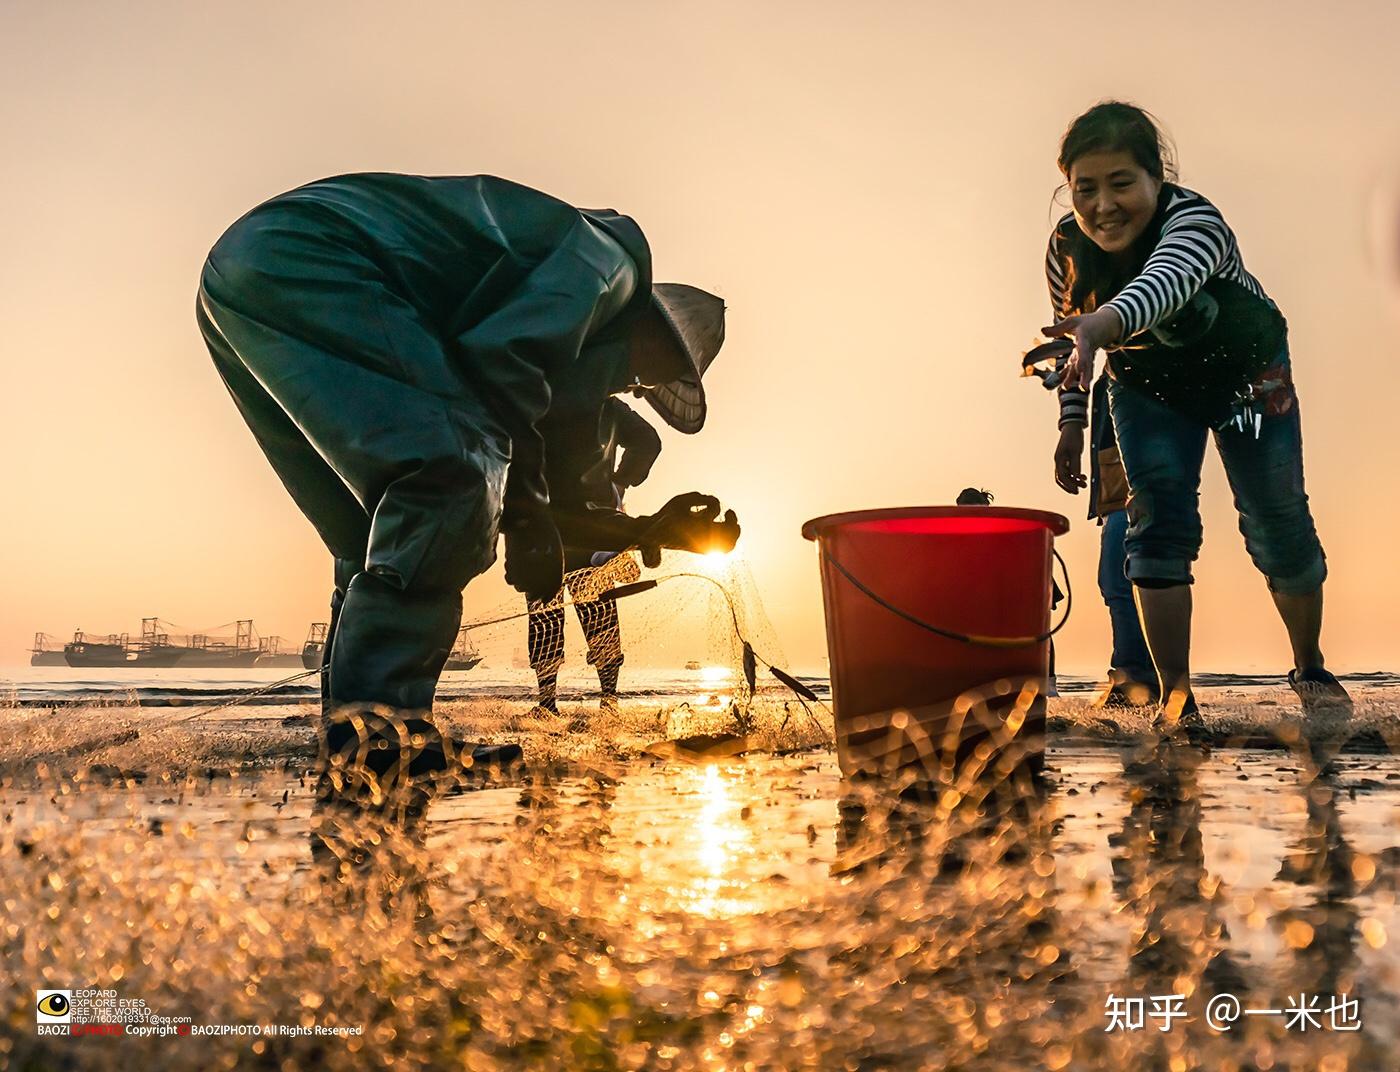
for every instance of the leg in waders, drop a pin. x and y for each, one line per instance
(601, 632)
(385, 644)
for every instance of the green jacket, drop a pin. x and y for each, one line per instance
(532, 296)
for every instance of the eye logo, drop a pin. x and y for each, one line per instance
(53, 1006)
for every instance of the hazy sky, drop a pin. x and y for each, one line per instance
(868, 185)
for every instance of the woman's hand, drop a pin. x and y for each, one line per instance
(1091, 333)
(1069, 459)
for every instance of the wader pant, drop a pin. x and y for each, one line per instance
(379, 438)
(601, 629)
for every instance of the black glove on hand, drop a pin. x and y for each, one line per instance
(534, 554)
(689, 522)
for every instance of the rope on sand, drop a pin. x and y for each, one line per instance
(252, 694)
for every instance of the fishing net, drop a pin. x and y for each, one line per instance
(691, 631)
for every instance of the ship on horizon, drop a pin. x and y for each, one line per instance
(46, 651)
(157, 649)
(464, 654)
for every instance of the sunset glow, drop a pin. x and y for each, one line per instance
(877, 239)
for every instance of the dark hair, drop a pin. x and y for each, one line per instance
(974, 497)
(1116, 127)
(1111, 127)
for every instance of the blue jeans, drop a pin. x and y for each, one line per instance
(1163, 451)
(1130, 656)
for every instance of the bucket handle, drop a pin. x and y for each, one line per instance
(964, 638)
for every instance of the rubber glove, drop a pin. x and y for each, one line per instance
(689, 522)
(534, 553)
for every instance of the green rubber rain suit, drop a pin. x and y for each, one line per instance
(400, 347)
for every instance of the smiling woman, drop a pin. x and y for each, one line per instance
(1150, 271)
(1114, 198)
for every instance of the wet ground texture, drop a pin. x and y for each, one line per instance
(596, 905)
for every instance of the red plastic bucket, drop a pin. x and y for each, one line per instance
(905, 695)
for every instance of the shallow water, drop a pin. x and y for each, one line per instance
(31, 686)
(27, 686)
(752, 913)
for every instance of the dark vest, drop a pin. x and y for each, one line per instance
(1198, 361)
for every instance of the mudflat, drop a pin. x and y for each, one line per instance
(608, 904)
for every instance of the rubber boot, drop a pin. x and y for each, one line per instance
(389, 650)
(345, 570)
(391, 645)
(361, 803)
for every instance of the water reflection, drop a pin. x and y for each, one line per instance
(704, 842)
(717, 895)
(367, 832)
(1323, 933)
(960, 913)
(757, 912)
(1180, 942)
(375, 776)
(720, 838)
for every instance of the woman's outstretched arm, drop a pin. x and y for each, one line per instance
(1195, 245)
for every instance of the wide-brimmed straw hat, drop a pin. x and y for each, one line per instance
(695, 319)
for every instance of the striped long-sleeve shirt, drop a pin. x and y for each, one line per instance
(1195, 245)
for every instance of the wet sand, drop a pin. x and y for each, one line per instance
(600, 907)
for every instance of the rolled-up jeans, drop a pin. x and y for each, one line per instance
(1162, 452)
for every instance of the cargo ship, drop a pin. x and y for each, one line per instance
(199, 649)
(315, 645)
(46, 651)
(270, 654)
(111, 650)
(156, 649)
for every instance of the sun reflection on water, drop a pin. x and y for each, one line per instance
(720, 840)
(698, 860)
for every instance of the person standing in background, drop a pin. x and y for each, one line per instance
(1132, 680)
(589, 573)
